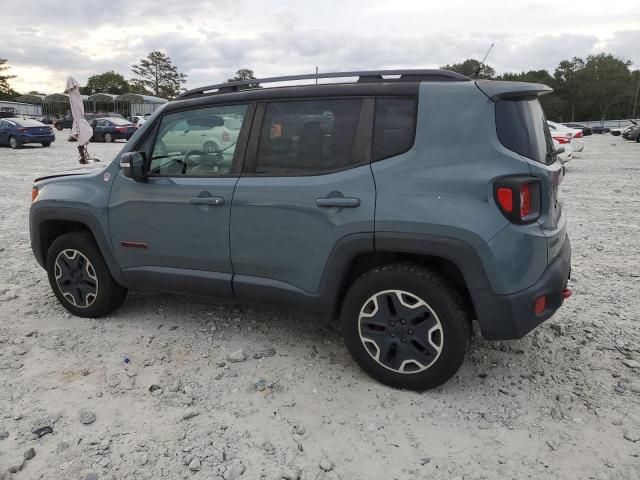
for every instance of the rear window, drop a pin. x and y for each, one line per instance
(25, 122)
(394, 127)
(522, 128)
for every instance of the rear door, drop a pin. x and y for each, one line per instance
(307, 185)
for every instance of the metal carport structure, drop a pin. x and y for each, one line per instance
(137, 104)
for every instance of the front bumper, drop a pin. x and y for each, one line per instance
(505, 317)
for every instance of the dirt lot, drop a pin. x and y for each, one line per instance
(563, 403)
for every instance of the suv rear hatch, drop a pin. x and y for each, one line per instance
(522, 127)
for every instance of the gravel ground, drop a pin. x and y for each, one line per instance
(563, 403)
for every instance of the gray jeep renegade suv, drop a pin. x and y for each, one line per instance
(407, 206)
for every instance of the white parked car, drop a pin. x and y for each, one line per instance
(574, 135)
(138, 120)
(561, 141)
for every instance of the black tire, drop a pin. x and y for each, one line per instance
(107, 137)
(13, 142)
(58, 127)
(442, 312)
(89, 267)
(46, 144)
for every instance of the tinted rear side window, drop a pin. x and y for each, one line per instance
(307, 136)
(522, 128)
(394, 127)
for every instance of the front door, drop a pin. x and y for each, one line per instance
(307, 185)
(172, 231)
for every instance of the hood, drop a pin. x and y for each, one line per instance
(91, 168)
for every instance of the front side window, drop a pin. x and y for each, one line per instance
(197, 142)
(305, 137)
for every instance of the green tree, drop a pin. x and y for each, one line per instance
(245, 74)
(107, 82)
(469, 68)
(158, 74)
(6, 92)
(607, 82)
(570, 86)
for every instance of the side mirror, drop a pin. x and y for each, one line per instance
(134, 165)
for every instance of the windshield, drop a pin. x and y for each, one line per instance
(522, 128)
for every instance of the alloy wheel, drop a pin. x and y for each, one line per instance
(13, 142)
(76, 278)
(108, 138)
(400, 331)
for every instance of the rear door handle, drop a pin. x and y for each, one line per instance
(215, 201)
(340, 202)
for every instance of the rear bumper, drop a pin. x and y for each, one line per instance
(504, 317)
(22, 139)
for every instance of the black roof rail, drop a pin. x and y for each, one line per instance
(370, 76)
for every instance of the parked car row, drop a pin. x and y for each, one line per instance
(67, 121)
(571, 139)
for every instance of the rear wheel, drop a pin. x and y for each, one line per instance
(46, 144)
(405, 326)
(80, 278)
(108, 137)
(58, 127)
(13, 142)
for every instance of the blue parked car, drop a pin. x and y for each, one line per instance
(17, 132)
(109, 129)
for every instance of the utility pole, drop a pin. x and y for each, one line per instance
(635, 102)
(317, 81)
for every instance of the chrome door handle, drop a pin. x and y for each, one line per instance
(339, 202)
(215, 201)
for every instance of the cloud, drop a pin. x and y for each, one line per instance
(210, 40)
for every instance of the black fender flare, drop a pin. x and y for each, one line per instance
(41, 213)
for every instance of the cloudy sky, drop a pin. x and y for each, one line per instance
(47, 41)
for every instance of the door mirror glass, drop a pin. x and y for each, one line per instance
(134, 165)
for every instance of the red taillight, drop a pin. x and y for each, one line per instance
(577, 135)
(226, 137)
(34, 193)
(505, 199)
(525, 200)
(540, 305)
(23, 129)
(121, 129)
(518, 198)
(562, 140)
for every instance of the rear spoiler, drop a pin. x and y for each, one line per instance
(495, 89)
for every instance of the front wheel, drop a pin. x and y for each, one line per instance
(108, 137)
(405, 326)
(80, 278)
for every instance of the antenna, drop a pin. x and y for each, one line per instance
(482, 62)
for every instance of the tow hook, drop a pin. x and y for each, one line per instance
(566, 293)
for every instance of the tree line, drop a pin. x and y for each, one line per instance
(599, 87)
